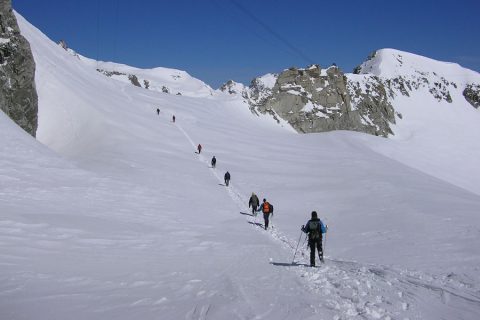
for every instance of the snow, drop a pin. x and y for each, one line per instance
(294, 92)
(233, 88)
(433, 136)
(308, 106)
(390, 63)
(111, 215)
(176, 81)
(448, 150)
(268, 80)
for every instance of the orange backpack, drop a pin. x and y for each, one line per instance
(266, 207)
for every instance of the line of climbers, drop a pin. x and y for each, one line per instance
(314, 228)
(266, 208)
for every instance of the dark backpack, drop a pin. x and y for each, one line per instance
(313, 229)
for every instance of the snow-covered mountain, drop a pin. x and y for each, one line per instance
(166, 80)
(318, 100)
(111, 214)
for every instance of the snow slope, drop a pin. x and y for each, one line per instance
(437, 137)
(123, 220)
(390, 63)
(159, 79)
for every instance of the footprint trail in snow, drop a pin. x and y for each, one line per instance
(353, 290)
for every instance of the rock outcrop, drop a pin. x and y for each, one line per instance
(232, 87)
(318, 100)
(18, 96)
(472, 95)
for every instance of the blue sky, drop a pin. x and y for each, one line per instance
(218, 40)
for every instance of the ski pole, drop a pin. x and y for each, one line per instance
(325, 242)
(298, 243)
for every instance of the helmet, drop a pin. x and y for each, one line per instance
(314, 214)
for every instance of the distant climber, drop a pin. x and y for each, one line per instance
(199, 148)
(315, 230)
(158, 111)
(213, 162)
(253, 202)
(173, 118)
(226, 177)
(267, 209)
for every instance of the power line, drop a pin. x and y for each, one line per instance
(235, 17)
(272, 32)
(115, 37)
(98, 32)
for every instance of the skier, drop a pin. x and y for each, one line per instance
(199, 148)
(158, 111)
(267, 209)
(253, 202)
(315, 228)
(173, 118)
(226, 177)
(214, 162)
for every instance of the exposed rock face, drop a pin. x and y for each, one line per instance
(316, 100)
(18, 96)
(472, 95)
(134, 80)
(131, 77)
(232, 87)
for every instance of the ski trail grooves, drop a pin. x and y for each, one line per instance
(235, 195)
(330, 282)
(353, 290)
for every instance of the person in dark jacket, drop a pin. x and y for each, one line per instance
(314, 228)
(226, 177)
(158, 111)
(214, 162)
(253, 202)
(199, 148)
(173, 118)
(267, 209)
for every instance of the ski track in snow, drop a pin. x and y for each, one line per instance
(353, 290)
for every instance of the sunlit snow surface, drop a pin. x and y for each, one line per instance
(121, 219)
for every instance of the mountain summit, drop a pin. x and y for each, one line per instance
(317, 100)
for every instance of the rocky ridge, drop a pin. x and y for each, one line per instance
(313, 99)
(18, 95)
(472, 95)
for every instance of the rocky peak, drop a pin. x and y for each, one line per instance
(18, 96)
(232, 87)
(316, 100)
(313, 99)
(472, 94)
